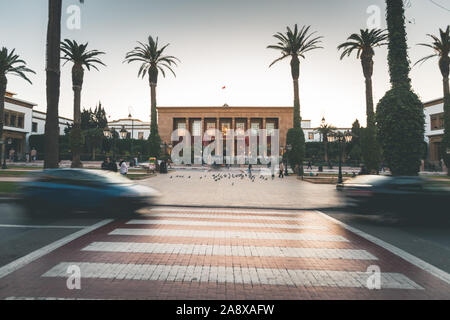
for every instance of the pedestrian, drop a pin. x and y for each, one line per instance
(33, 154)
(106, 165)
(250, 169)
(124, 168)
(281, 174)
(309, 165)
(11, 155)
(113, 166)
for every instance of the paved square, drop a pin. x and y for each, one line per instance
(186, 253)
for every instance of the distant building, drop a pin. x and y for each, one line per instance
(21, 122)
(199, 119)
(434, 129)
(135, 128)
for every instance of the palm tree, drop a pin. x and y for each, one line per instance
(441, 47)
(53, 69)
(295, 44)
(152, 59)
(364, 44)
(10, 64)
(325, 131)
(80, 57)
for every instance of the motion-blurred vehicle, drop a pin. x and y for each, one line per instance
(73, 190)
(398, 194)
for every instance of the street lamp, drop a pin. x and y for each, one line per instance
(340, 138)
(4, 167)
(130, 117)
(123, 133)
(288, 149)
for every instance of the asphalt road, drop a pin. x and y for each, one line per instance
(21, 234)
(425, 238)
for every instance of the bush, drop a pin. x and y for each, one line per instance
(296, 138)
(401, 124)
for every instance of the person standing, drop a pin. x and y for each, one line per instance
(33, 154)
(113, 166)
(281, 174)
(11, 155)
(124, 168)
(106, 165)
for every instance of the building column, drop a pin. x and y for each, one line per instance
(264, 123)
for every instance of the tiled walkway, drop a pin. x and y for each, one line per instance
(185, 253)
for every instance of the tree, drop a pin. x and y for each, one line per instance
(53, 74)
(364, 44)
(355, 144)
(400, 116)
(153, 61)
(441, 47)
(80, 57)
(295, 44)
(325, 131)
(10, 64)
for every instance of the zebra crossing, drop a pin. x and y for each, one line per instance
(180, 253)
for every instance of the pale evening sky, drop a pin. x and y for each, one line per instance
(220, 43)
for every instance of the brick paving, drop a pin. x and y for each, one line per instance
(198, 254)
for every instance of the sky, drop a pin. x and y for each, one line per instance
(220, 43)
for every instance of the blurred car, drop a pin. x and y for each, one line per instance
(84, 190)
(400, 194)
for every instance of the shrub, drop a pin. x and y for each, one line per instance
(401, 123)
(296, 138)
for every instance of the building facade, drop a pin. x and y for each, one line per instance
(434, 129)
(20, 122)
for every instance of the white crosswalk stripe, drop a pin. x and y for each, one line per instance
(256, 276)
(208, 250)
(240, 211)
(228, 234)
(224, 224)
(226, 216)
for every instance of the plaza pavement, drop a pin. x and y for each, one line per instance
(229, 189)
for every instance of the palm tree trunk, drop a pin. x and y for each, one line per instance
(51, 159)
(369, 103)
(295, 70)
(3, 84)
(76, 149)
(154, 120)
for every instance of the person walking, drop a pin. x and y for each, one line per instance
(309, 165)
(124, 168)
(281, 174)
(250, 169)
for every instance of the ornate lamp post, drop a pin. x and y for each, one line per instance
(123, 133)
(340, 138)
(9, 142)
(130, 117)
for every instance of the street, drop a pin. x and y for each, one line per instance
(176, 252)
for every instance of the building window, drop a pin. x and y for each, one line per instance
(140, 135)
(437, 121)
(311, 136)
(14, 119)
(34, 127)
(197, 128)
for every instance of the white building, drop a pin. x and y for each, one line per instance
(135, 128)
(434, 128)
(21, 122)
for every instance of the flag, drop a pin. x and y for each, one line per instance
(224, 87)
